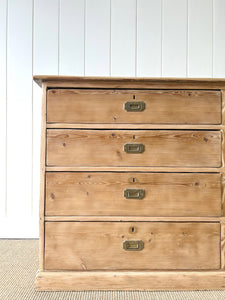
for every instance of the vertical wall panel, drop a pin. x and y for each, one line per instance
(123, 37)
(19, 108)
(149, 38)
(37, 99)
(219, 38)
(71, 37)
(110, 37)
(3, 33)
(97, 37)
(174, 38)
(200, 38)
(45, 61)
(46, 37)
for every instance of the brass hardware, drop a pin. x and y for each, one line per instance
(132, 106)
(133, 245)
(134, 148)
(134, 193)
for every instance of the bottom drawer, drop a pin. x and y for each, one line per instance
(131, 245)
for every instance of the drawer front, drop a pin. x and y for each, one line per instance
(133, 194)
(183, 148)
(133, 106)
(131, 245)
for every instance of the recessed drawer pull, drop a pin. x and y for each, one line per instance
(134, 193)
(134, 106)
(133, 245)
(134, 148)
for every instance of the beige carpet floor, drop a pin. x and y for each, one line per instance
(19, 263)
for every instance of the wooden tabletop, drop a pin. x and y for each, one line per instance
(131, 82)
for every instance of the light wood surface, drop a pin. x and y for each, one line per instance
(223, 244)
(99, 246)
(223, 194)
(138, 280)
(85, 220)
(108, 106)
(223, 106)
(133, 169)
(106, 148)
(42, 180)
(166, 194)
(130, 82)
(132, 126)
(132, 219)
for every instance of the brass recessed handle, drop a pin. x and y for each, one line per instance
(134, 106)
(134, 148)
(132, 245)
(134, 194)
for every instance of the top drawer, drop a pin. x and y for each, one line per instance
(133, 106)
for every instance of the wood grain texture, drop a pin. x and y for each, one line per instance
(132, 219)
(99, 246)
(107, 106)
(87, 217)
(134, 169)
(130, 82)
(223, 194)
(166, 194)
(223, 245)
(131, 126)
(105, 148)
(139, 280)
(223, 147)
(42, 180)
(223, 106)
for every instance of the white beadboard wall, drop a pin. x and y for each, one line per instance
(156, 38)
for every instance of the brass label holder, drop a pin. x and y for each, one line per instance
(132, 245)
(134, 106)
(134, 193)
(134, 148)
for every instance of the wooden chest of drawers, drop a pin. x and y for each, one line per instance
(132, 184)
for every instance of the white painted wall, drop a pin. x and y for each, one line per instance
(175, 38)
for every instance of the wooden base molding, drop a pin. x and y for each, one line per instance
(145, 280)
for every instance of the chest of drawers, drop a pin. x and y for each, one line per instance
(132, 184)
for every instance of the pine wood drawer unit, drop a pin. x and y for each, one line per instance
(132, 184)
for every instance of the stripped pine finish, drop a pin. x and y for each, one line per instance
(107, 106)
(166, 194)
(100, 246)
(132, 200)
(106, 148)
(136, 280)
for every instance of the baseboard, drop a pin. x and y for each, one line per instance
(129, 280)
